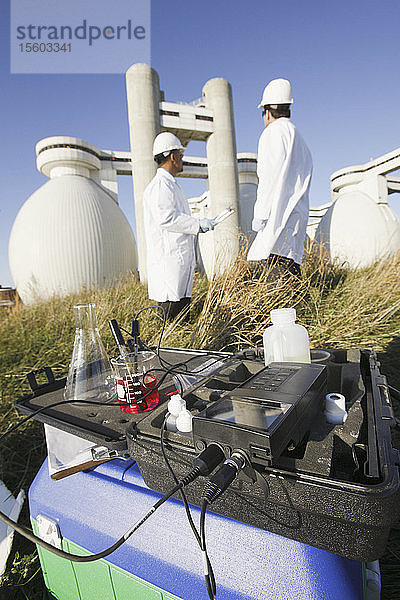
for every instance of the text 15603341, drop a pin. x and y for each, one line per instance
(45, 47)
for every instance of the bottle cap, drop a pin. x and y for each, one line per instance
(176, 405)
(283, 315)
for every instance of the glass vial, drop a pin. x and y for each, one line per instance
(89, 376)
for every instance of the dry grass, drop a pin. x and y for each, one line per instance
(339, 306)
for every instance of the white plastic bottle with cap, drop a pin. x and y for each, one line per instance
(184, 422)
(175, 407)
(284, 340)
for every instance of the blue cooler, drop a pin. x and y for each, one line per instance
(162, 560)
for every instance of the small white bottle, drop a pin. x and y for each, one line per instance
(284, 340)
(175, 406)
(184, 421)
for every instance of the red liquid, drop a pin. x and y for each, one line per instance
(134, 403)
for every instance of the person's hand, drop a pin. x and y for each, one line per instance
(206, 225)
(258, 224)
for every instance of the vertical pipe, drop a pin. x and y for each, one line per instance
(143, 95)
(222, 171)
(248, 183)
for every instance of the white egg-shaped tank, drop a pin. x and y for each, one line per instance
(358, 230)
(70, 233)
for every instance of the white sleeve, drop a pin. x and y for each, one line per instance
(169, 215)
(270, 159)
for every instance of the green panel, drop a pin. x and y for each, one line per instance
(98, 580)
(129, 587)
(58, 573)
(92, 577)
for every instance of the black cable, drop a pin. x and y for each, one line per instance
(208, 576)
(164, 320)
(211, 581)
(158, 348)
(203, 464)
(175, 369)
(270, 517)
(182, 493)
(53, 405)
(92, 557)
(170, 368)
(216, 485)
(178, 487)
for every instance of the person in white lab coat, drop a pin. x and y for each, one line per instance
(170, 230)
(284, 172)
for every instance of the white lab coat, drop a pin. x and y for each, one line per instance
(284, 172)
(170, 233)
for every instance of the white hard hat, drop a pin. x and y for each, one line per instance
(165, 142)
(278, 91)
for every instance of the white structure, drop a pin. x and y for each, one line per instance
(201, 206)
(209, 120)
(71, 232)
(359, 227)
(314, 217)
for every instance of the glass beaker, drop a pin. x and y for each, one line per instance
(135, 381)
(90, 375)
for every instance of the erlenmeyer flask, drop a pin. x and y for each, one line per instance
(89, 376)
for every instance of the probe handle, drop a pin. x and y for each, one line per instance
(118, 337)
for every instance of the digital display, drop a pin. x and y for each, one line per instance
(248, 412)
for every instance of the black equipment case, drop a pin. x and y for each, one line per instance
(337, 488)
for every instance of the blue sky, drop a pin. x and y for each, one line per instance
(341, 57)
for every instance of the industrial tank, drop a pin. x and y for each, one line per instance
(70, 232)
(359, 227)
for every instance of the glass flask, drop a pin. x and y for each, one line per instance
(89, 376)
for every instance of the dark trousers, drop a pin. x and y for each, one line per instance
(279, 266)
(172, 309)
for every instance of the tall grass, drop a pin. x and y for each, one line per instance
(339, 306)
